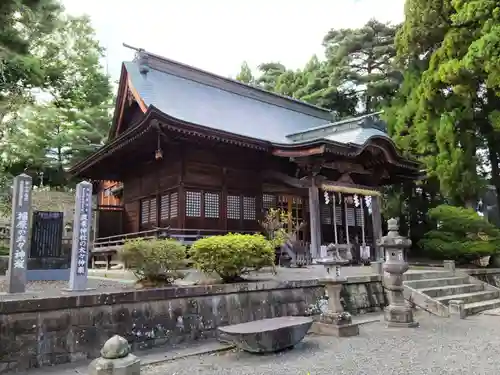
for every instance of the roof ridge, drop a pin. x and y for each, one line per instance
(232, 85)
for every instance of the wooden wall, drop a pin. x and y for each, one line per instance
(197, 187)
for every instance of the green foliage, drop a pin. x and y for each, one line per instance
(461, 234)
(232, 255)
(357, 74)
(23, 23)
(49, 136)
(154, 260)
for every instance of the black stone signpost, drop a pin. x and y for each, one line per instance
(46, 236)
(81, 237)
(19, 234)
(46, 262)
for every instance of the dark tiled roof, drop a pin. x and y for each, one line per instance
(186, 97)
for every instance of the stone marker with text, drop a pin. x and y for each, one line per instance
(19, 239)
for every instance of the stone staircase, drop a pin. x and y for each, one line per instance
(433, 290)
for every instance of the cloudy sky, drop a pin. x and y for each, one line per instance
(217, 35)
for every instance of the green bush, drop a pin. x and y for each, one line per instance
(461, 234)
(155, 261)
(232, 255)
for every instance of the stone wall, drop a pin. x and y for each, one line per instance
(41, 332)
(364, 294)
(487, 275)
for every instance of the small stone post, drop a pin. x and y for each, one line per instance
(456, 309)
(115, 359)
(449, 265)
(398, 313)
(19, 233)
(81, 237)
(335, 321)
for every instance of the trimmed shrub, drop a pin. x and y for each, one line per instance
(461, 234)
(232, 255)
(154, 261)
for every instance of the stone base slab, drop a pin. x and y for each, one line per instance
(326, 329)
(402, 324)
(129, 365)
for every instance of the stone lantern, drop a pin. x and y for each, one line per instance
(398, 313)
(335, 321)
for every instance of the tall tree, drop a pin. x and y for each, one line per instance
(245, 75)
(361, 62)
(75, 120)
(449, 116)
(23, 22)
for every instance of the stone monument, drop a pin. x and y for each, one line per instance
(115, 359)
(19, 234)
(398, 313)
(81, 237)
(335, 321)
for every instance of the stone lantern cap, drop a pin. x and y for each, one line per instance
(394, 240)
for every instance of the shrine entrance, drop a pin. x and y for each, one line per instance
(346, 221)
(295, 208)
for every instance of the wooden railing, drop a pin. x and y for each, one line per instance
(186, 236)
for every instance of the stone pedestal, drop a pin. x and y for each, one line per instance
(449, 265)
(456, 308)
(335, 321)
(398, 313)
(115, 359)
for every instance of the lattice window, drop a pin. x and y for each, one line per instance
(326, 214)
(145, 211)
(193, 203)
(359, 216)
(249, 207)
(211, 205)
(233, 207)
(152, 210)
(174, 205)
(268, 201)
(165, 207)
(350, 216)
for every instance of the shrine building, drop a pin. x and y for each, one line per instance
(200, 153)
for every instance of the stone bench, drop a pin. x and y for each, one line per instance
(267, 335)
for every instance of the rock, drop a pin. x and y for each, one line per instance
(267, 335)
(115, 347)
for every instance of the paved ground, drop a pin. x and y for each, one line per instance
(37, 289)
(439, 346)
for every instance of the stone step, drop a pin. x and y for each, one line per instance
(477, 307)
(412, 276)
(449, 290)
(470, 297)
(429, 283)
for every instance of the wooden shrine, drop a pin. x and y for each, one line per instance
(203, 155)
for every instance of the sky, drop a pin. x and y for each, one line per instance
(218, 35)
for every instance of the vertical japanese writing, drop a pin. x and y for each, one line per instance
(21, 238)
(83, 235)
(20, 228)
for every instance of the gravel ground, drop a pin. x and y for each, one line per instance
(35, 289)
(438, 346)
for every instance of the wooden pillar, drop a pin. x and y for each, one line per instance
(377, 226)
(314, 219)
